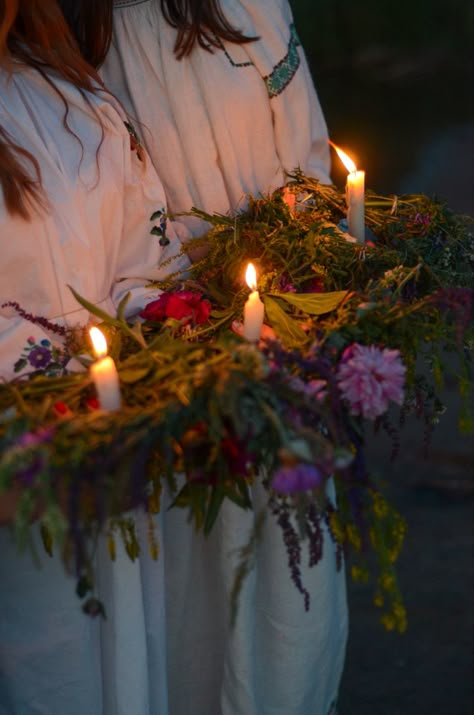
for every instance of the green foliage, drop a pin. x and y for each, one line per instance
(199, 401)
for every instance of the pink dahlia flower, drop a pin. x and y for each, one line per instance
(369, 378)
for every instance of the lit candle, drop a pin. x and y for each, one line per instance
(253, 309)
(354, 196)
(104, 373)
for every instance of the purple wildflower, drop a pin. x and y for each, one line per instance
(299, 477)
(34, 439)
(424, 219)
(292, 546)
(27, 475)
(312, 389)
(36, 319)
(285, 285)
(32, 462)
(315, 285)
(458, 303)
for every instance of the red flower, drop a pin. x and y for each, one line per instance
(61, 409)
(184, 305)
(315, 285)
(92, 403)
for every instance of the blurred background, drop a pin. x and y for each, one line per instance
(395, 80)
(396, 83)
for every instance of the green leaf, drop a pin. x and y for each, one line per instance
(20, 364)
(287, 329)
(47, 539)
(215, 502)
(122, 305)
(183, 498)
(94, 310)
(132, 375)
(84, 585)
(314, 303)
(239, 494)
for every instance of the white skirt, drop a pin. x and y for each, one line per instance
(167, 646)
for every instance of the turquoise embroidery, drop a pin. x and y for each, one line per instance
(234, 64)
(286, 69)
(282, 73)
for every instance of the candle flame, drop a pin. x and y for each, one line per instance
(99, 342)
(251, 277)
(346, 160)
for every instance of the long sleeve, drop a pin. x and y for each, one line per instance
(141, 258)
(221, 125)
(299, 126)
(95, 233)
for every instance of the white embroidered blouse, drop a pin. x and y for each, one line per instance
(219, 125)
(95, 232)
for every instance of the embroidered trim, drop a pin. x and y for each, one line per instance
(44, 357)
(220, 45)
(160, 230)
(128, 3)
(286, 69)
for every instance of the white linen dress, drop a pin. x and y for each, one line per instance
(94, 235)
(219, 126)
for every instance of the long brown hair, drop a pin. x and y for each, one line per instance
(35, 33)
(199, 22)
(91, 23)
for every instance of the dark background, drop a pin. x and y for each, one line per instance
(395, 80)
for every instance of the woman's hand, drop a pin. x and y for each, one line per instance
(267, 332)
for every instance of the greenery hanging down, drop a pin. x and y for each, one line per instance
(206, 415)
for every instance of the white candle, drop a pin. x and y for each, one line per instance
(355, 204)
(355, 196)
(253, 309)
(104, 374)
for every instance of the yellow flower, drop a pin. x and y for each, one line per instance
(359, 574)
(353, 537)
(387, 582)
(378, 600)
(111, 546)
(388, 621)
(380, 506)
(336, 528)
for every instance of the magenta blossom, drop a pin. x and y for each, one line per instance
(369, 378)
(299, 477)
(33, 463)
(30, 440)
(312, 389)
